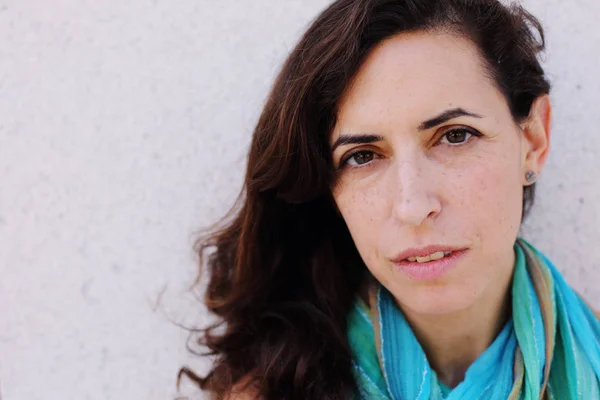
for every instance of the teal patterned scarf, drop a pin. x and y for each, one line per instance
(550, 349)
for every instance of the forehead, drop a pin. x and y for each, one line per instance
(417, 74)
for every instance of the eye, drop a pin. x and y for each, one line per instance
(358, 158)
(458, 136)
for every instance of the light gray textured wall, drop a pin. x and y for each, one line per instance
(124, 127)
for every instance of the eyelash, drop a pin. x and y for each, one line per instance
(470, 131)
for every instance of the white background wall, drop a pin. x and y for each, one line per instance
(123, 129)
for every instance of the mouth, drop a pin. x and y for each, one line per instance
(429, 263)
(430, 257)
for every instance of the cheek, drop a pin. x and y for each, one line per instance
(363, 209)
(492, 194)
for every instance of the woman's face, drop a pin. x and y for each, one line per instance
(430, 161)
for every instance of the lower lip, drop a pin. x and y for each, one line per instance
(430, 270)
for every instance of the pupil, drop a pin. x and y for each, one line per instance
(456, 137)
(363, 157)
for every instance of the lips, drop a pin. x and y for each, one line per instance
(417, 264)
(426, 252)
(431, 257)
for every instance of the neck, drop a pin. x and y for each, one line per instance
(452, 342)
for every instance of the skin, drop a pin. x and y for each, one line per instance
(415, 187)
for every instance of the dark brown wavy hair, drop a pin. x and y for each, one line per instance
(282, 268)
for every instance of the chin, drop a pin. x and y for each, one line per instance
(435, 299)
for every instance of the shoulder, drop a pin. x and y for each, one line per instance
(244, 395)
(243, 390)
(594, 311)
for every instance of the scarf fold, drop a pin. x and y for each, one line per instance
(549, 349)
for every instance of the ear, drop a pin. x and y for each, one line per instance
(536, 136)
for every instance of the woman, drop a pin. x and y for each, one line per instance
(374, 252)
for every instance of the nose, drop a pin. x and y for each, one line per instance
(416, 192)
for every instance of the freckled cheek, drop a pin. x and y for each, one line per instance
(490, 196)
(362, 207)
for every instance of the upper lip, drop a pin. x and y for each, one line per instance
(424, 251)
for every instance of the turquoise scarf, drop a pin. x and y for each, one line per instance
(550, 349)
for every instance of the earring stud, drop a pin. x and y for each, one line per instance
(530, 176)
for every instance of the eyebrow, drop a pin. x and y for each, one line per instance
(363, 138)
(446, 116)
(366, 138)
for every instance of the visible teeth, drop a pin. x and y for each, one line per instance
(431, 257)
